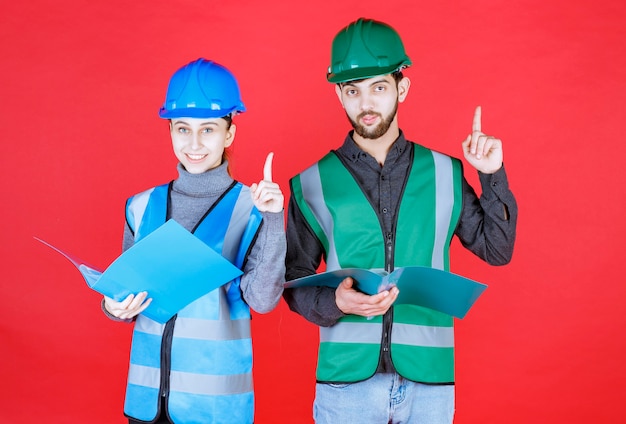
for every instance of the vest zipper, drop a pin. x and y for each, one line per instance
(387, 322)
(389, 252)
(388, 316)
(166, 354)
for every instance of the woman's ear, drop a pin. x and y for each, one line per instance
(230, 135)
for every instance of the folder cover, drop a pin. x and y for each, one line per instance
(422, 286)
(171, 264)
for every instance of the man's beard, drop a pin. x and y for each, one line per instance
(377, 131)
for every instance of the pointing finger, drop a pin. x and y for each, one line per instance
(476, 123)
(267, 169)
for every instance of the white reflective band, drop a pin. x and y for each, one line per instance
(311, 183)
(144, 324)
(144, 376)
(235, 228)
(421, 335)
(138, 207)
(203, 384)
(194, 328)
(407, 334)
(352, 332)
(444, 202)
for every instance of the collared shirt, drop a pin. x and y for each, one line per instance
(486, 227)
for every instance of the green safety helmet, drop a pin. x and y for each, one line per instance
(364, 49)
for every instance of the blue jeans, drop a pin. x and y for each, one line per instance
(383, 399)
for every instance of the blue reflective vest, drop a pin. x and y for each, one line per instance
(201, 360)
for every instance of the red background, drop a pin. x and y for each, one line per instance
(81, 85)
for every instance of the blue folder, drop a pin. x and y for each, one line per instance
(171, 264)
(422, 286)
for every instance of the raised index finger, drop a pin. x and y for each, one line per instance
(267, 169)
(476, 123)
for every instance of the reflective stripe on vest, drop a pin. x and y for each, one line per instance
(422, 342)
(210, 362)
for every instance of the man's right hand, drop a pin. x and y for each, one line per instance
(353, 302)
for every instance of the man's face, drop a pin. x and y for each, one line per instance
(371, 104)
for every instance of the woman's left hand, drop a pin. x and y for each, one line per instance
(266, 195)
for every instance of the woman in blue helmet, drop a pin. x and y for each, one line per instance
(197, 368)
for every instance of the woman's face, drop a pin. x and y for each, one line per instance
(199, 143)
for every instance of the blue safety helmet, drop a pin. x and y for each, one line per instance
(202, 89)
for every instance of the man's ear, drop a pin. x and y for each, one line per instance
(403, 88)
(230, 135)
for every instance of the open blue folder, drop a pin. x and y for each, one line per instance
(171, 264)
(428, 287)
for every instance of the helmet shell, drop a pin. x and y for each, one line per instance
(364, 49)
(202, 89)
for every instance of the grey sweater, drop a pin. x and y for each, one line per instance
(264, 271)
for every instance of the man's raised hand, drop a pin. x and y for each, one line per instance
(483, 152)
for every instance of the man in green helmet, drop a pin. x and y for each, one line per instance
(381, 202)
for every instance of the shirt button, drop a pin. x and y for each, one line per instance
(384, 210)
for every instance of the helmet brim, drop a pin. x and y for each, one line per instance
(363, 73)
(194, 112)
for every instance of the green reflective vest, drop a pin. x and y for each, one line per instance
(333, 204)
